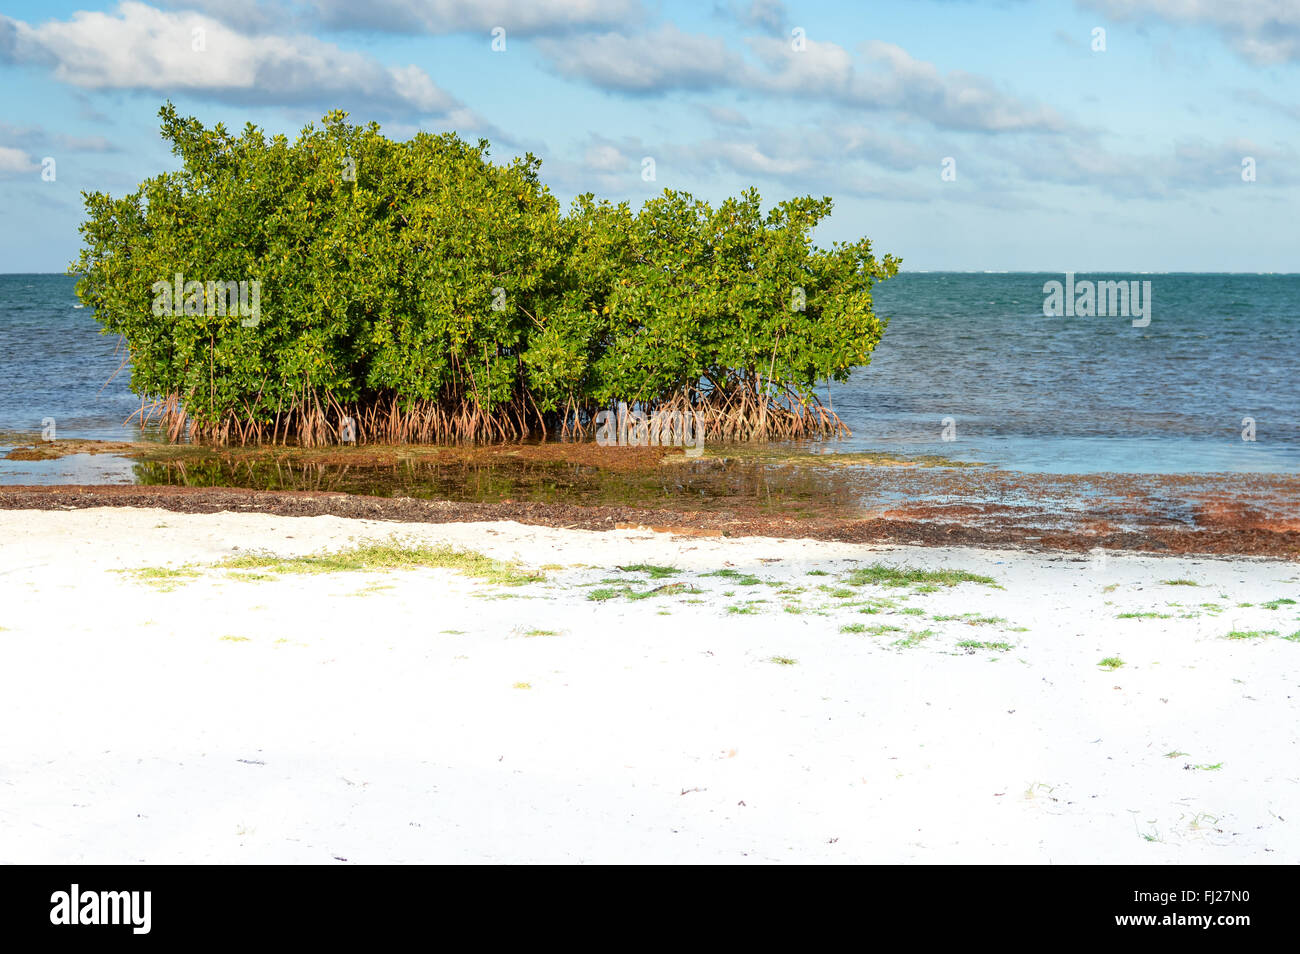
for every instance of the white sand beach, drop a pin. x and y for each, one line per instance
(426, 716)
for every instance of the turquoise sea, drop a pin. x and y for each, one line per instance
(1017, 389)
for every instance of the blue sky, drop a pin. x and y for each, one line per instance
(1066, 157)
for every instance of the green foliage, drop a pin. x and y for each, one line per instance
(879, 574)
(654, 572)
(974, 644)
(363, 558)
(431, 294)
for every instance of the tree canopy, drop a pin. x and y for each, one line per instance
(427, 293)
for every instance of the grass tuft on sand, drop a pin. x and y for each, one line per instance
(913, 639)
(878, 574)
(388, 556)
(736, 577)
(651, 570)
(161, 578)
(971, 645)
(367, 557)
(970, 619)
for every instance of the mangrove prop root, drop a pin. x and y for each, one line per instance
(739, 413)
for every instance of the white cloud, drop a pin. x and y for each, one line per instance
(749, 158)
(770, 15)
(894, 79)
(1188, 166)
(663, 59)
(85, 143)
(246, 15)
(859, 141)
(816, 162)
(885, 77)
(143, 48)
(15, 162)
(517, 17)
(1261, 31)
(34, 138)
(606, 157)
(824, 159)
(819, 69)
(829, 156)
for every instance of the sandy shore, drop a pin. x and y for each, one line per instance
(423, 715)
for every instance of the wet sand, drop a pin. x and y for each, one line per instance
(734, 490)
(1232, 517)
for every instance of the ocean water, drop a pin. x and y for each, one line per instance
(1084, 395)
(973, 351)
(54, 363)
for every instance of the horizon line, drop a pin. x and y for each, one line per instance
(969, 271)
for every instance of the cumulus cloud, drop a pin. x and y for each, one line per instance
(824, 159)
(1260, 31)
(603, 156)
(856, 159)
(830, 155)
(819, 162)
(860, 141)
(891, 78)
(15, 162)
(749, 158)
(517, 17)
(34, 137)
(884, 77)
(654, 62)
(242, 14)
(84, 143)
(769, 15)
(1187, 166)
(143, 48)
